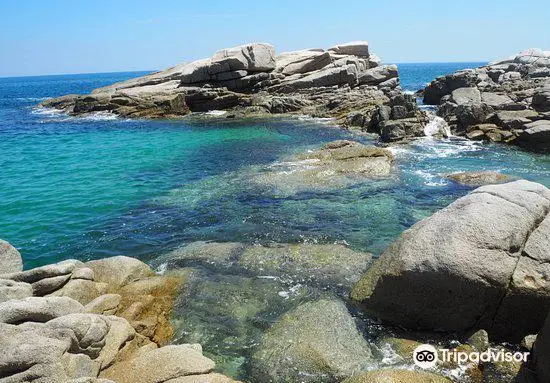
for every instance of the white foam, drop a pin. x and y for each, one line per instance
(430, 179)
(437, 125)
(99, 116)
(216, 112)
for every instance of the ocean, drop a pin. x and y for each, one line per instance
(98, 186)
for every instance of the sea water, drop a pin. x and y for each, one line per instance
(97, 186)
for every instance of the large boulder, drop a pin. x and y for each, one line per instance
(119, 271)
(162, 364)
(316, 342)
(10, 259)
(481, 262)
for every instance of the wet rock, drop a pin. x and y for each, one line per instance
(328, 265)
(316, 342)
(479, 340)
(347, 157)
(528, 342)
(10, 259)
(478, 178)
(475, 274)
(397, 376)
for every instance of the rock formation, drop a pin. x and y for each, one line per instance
(480, 263)
(345, 82)
(316, 342)
(101, 321)
(325, 265)
(506, 101)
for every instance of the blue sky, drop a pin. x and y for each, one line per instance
(62, 36)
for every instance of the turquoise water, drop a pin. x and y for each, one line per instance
(98, 186)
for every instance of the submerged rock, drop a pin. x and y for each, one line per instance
(316, 342)
(478, 263)
(250, 79)
(512, 95)
(327, 265)
(335, 165)
(478, 178)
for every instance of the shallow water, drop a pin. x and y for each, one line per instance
(99, 186)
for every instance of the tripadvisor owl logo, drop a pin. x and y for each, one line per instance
(425, 356)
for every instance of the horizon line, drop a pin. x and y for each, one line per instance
(157, 70)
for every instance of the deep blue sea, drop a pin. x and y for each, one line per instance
(98, 186)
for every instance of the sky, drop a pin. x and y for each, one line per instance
(62, 36)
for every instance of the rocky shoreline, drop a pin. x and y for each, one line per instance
(505, 101)
(467, 278)
(345, 82)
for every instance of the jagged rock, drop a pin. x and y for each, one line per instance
(397, 376)
(250, 80)
(511, 94)
(316, 342)
(291, 63)
(35, 309)
(478, 263)
(10, 259)
(378, 75)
